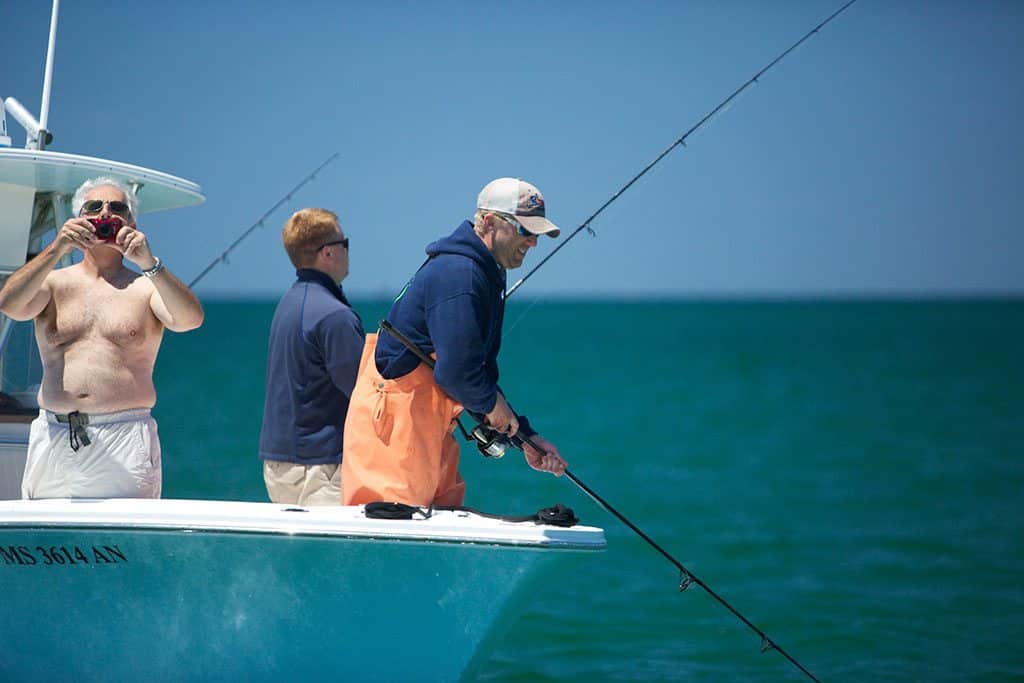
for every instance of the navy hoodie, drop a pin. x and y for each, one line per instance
(454, 306)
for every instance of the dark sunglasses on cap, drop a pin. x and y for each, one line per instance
(342, 242)
(94, 206)
(523, 232)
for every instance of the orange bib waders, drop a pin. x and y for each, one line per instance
(399, 445)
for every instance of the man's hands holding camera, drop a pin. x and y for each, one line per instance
(76, 233)
(85, 234)
(135, 247)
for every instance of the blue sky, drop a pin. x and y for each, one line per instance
(884, 157)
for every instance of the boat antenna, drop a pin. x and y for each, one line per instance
(483, 433)
(259, 224)
(36, 134)
(44, 107)
(680, 142)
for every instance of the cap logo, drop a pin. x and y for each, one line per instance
(534, 206)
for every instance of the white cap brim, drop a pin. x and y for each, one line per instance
(539, 225)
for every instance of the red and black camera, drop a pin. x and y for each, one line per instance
(106, 229)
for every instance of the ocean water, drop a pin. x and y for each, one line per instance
(849, 475)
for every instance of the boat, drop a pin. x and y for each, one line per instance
(200, 590)
(118, 589)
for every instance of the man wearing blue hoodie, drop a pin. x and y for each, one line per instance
(399, 445)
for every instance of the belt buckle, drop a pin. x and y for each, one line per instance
(77, 419)
(76, 422)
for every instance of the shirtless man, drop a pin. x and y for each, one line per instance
(98, 326)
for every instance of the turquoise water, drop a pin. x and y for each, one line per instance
(849, 475)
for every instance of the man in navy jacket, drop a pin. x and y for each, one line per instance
(316, 340)
(400, 423)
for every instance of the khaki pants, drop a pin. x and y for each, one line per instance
(292, 484)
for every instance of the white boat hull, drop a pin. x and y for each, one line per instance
(201, 590)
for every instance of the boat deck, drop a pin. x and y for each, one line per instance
(269, 518)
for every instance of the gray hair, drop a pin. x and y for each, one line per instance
(103, 181)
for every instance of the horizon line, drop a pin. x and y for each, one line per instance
(695, 297)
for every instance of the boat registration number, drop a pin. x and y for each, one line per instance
(61, 555)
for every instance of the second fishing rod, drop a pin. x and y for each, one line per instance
(493, 443)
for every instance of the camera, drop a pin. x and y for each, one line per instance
(106, 229)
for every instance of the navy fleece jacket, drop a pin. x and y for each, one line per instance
(316, 341)
(454, 306)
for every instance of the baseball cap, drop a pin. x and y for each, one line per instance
(520, 199)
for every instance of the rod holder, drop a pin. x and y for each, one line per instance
(5, 140)
(36, 137)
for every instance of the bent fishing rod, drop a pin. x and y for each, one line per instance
(223, 257)
(688, 578)
(493, 444)
(585, 225)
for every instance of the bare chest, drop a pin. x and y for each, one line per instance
(117, 314)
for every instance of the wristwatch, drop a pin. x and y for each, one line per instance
(157, 267)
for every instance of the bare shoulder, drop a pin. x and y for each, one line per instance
(62, 274)
(135, 285)
(141, 291)
(65, 278)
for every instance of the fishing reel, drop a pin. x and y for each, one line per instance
(490, 442)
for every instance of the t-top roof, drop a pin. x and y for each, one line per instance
(62, 173)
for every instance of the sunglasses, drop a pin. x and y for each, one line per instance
(94, 206)
(342, 242)
(523, 232)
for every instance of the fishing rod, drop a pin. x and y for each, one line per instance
(688, 577)
(259, 224)
(493, 444)
(680, 142)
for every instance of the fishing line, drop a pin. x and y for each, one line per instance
(493, 444)
(259, 224)
(680, 142)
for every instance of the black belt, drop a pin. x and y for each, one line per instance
(76, 422)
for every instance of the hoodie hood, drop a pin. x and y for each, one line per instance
(465, 242)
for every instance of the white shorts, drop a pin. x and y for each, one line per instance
(122, 459)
